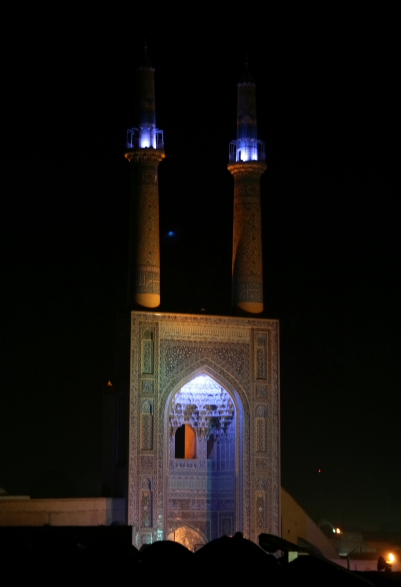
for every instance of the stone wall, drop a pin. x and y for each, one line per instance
(61, 512)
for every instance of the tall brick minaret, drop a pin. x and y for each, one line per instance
(247, 164)
(145, 144)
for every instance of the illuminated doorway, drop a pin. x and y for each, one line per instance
(201, 481)
(187, 536)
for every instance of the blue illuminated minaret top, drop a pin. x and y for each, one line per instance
(145, 135)
(246, 147)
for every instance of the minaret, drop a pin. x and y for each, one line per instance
(247, 164)
(145, 144)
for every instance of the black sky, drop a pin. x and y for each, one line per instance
(328, 109)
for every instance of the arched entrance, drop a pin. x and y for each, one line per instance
(187, 536)
(202, 439)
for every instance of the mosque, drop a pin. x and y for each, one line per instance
(191, 439)
(192, 424)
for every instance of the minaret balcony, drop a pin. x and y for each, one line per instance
(246, 150)
(145, 138)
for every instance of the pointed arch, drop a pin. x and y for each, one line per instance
(227, 458)
(221, 376)
(188, 536)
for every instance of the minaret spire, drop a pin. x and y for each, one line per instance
(247, 164)
(146, 150)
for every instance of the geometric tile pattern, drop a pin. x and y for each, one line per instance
(260, 507)
(260, 434)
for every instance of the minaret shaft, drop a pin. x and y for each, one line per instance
(145, 98)
(247, 267)
(246, 115)
(145, 142)
(144, 262)
(247, 164)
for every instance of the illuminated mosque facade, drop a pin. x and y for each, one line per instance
(192, 433)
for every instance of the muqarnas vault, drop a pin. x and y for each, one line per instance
(192, 427)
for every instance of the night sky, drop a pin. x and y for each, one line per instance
(329, 112)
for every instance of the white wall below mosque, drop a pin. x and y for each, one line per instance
(295, 523)
(98, 511)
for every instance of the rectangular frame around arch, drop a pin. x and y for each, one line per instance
(230, 345)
